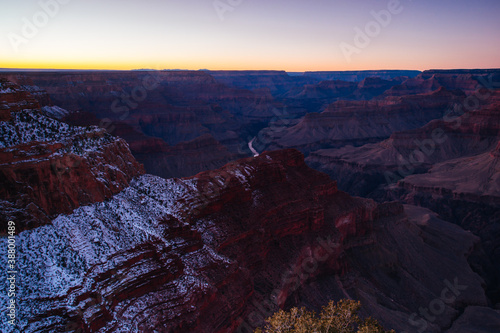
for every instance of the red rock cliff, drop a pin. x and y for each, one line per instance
(48, 167)
(219, 251)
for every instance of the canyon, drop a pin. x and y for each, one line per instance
(218, 251)
(140, 207)
(211, 113)
(48, 167)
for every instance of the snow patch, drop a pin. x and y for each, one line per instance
(55, 111)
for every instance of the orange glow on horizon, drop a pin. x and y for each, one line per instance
(294, 36)
(214, 67)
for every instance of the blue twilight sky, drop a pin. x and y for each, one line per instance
(294, 35)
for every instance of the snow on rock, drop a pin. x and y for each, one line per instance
(55, 111)
(27, 126)
(6, 91)
(201, 254)
(50, 167)
(62, 264)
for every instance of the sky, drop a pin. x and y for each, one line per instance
(291, 35)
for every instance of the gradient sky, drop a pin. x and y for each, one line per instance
(292, 35)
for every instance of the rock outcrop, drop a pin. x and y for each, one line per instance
(359, 122)
(361, 170)
(233, 107)
(48, 167)
(176, 107)
(449, 166)
(220, 251)
(465, 191)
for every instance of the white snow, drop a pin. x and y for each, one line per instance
(31, 126)
(55, 111)
(56, 259)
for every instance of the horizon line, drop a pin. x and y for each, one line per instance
(200, 70)
(9, 69)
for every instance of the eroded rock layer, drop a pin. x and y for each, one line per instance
(48, 167)
(220, 251)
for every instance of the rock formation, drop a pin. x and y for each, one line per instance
(104, 248)
(219, 251)
(48, 167)
(457, 134)
(467, 81)
(449, 166)
(359, 122)
(175, 107)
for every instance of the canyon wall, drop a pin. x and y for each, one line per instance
(220, 251)
(48, 167)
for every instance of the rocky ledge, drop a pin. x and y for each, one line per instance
(220, 251)
(48, 167)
